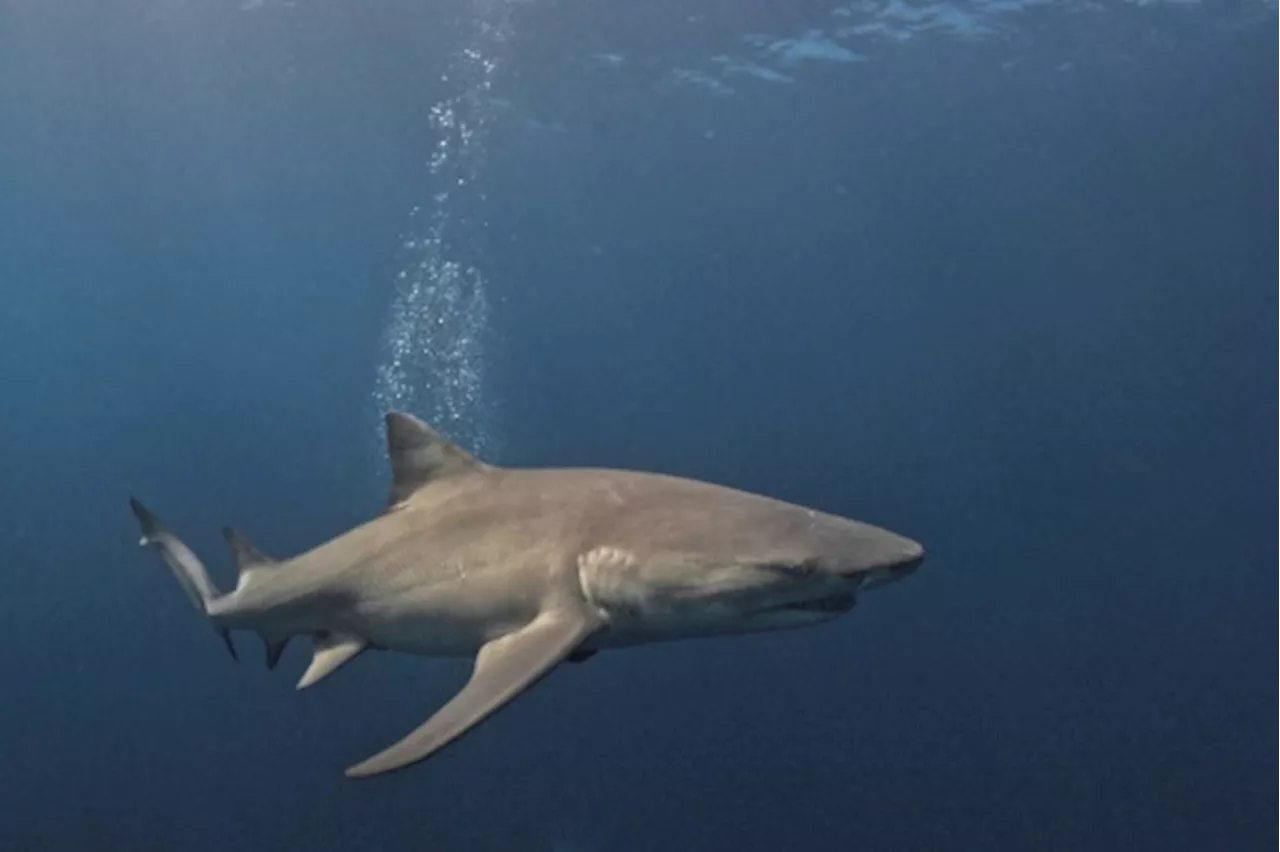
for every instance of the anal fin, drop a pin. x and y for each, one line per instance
(332, 650)
(274, 644)
(504, 668)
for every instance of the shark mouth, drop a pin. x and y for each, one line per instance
(831, 603)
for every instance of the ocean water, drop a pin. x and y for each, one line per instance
(998, 275)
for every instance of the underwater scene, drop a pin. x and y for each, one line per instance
(618, 426)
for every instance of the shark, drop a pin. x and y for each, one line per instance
(524, 569)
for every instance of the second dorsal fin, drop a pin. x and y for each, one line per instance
(252, 562)
(420, 455)
(247, 557)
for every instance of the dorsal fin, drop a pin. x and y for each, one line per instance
(245, 555)
(420, 455)
(249, 559)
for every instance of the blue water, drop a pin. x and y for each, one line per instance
(997, 275)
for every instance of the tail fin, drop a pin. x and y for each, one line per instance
(184, 564)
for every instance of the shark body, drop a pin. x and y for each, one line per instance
(524, 569)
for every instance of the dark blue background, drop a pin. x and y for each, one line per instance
(1012, 298)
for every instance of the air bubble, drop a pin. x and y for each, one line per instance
(434, 342)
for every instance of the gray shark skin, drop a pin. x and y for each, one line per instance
(524, 569)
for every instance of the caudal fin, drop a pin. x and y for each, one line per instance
(184, 564)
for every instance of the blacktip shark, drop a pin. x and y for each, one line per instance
(524, 569)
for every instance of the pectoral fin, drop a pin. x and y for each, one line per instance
(331, 651)
(504, 668)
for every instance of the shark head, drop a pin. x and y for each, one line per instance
(705, 562)
(819, 573)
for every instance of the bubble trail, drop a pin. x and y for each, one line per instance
(437, 332)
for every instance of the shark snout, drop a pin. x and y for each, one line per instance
(911, 558)
(896, 557)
